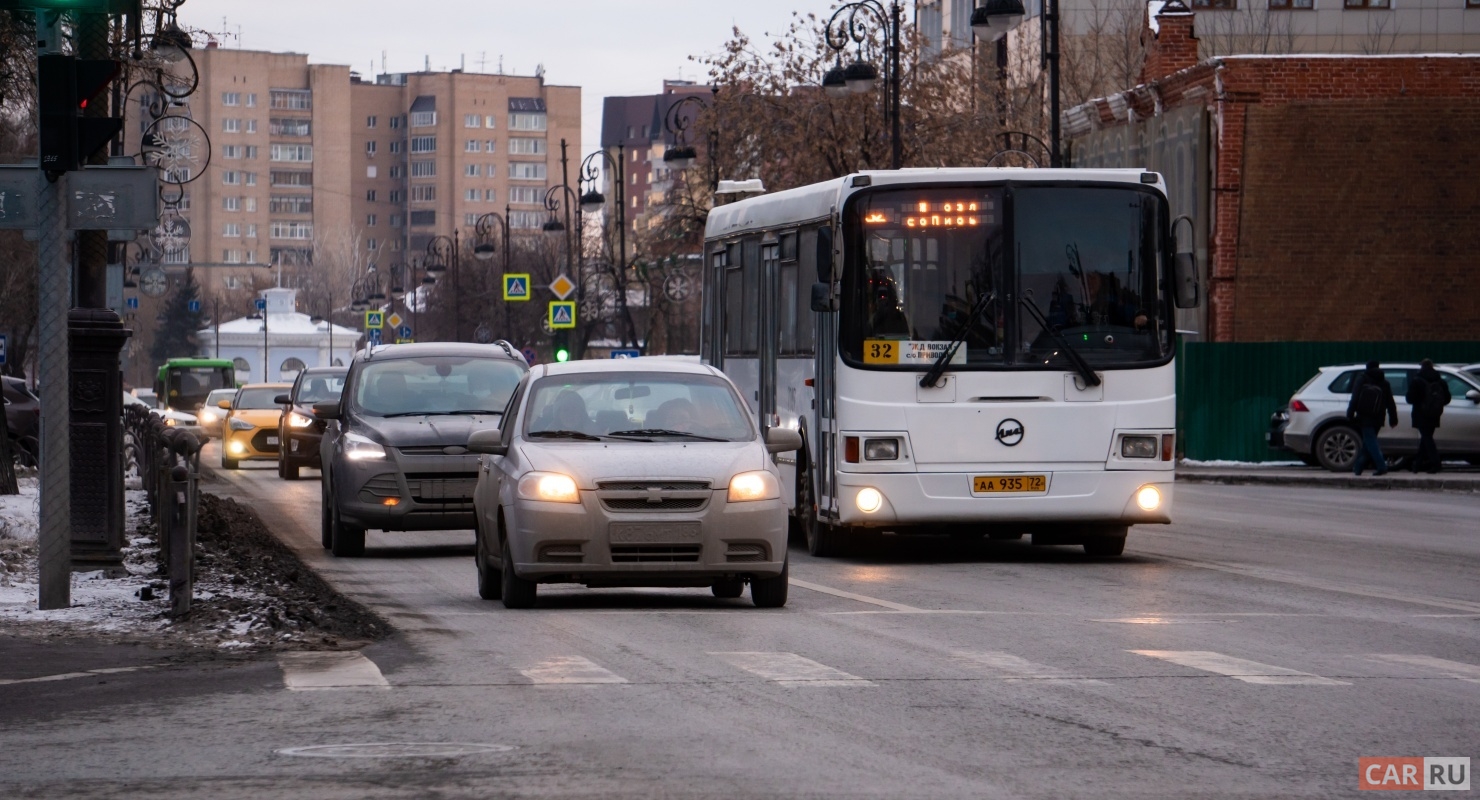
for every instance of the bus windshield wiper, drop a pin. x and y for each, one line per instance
(927, 381)
(586, 437)
(1080, 365)
(665, 432)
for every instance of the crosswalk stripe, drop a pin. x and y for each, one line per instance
(1240, 669)
(790, 669)
(332, 670)
(570, 669)
(66, 676)
(1454, 669)
(1017, 668)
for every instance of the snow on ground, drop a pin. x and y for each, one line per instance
(1189, 462)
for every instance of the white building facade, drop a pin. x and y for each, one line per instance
(283, 339)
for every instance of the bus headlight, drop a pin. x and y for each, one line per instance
(1148, 498)
(1138, 447)
(869, 500)
(880, 449)
(758, 485)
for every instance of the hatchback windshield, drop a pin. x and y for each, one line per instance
(436, 385)
(318, 388)
(259, 397)
(637, 405)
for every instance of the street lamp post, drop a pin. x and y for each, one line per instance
(328, 318)
(442, 251)
(484, 250)
(995, 19)
(682, 155)
(848, 24)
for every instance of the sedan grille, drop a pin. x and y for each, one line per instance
(642, 486)
(656, 495)
(656, 554)
(643, 504)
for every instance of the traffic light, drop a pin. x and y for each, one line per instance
(562, 346)
(66, 85)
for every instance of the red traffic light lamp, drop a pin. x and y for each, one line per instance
(66, 85)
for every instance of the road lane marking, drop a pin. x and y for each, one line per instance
(862, 598)
(67, 676)
(1454, 669)
(1020, 669)
(790, 669)
(330, 670)
(570, 669)
(1160, 621)
(1240, 669)
(1329, 586)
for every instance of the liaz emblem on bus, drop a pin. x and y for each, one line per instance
(896, 351)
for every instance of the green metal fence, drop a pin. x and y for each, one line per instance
(1226, 392)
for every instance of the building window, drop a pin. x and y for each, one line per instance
(394, 220)
(1286, 5)
(370, 148)
(424, 169)
(293, 178)
(526, 147)
(371, 171)
(528, 195)
(292, 152)
(231, 151)
(526, 220)
(423, 218)
(471, 171)
(398, 171)
(488, 121)
(472, 120)
(249, 204)
(423, 119)
(471, 195)
(490, 196)
(370, 244)
(249, 178)
(181, 256)
(252, 100)
(290, 204)
(295, 99)
(472, 146)
(292, 230)
(232, 230)
(231, 125)
(231, 256)
(231, 98)
(396, 146)
(251, 152)
(251, 234)
(370, 220)
(1373, 4)
(397, 196)
(423, 144)
(251, 126)
(231, 203)
(470, 220)
(527, 171)
(1222, 5)
(282, 126)
(231, 178)
(370, 122)
(395, 122)
(488, 145)
(526, 122)
(423, 194)
(370, 195)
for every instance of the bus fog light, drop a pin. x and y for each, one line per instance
(880, 449)
(870, 500)
(1138, 447)
(1148, 498)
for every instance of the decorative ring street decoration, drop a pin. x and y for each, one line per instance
(483, 335)
(154, 282)
(178, 147)
(1010, 432)
(677, 287)
(171, 235)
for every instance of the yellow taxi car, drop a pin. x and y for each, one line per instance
(250, 432)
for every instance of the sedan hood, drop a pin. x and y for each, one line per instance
(590, 462)
(425, 431)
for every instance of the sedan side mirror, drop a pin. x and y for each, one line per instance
(783, 440)
(226, 404)
(283, 400)
(326, 410)
(488, 441)
(1473, 395)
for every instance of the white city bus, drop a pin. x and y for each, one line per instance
(972, 351)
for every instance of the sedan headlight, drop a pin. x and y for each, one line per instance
(238, 424)
(297, 420)
(359, 448)
(757, 485)
(551, 487)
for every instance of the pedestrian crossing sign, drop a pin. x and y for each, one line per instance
(562, 314)
(374, 320)
(516, 286)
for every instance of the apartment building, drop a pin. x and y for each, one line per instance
(633, 132)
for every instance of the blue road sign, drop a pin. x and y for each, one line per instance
(261, 304)
(516, 286)
(373, 335)
(404, 332)
(629, 353)
(194, 306)
(4, 346)
(132, 302)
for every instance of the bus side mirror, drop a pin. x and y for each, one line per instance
(824, 256)
(1184, 277)
(822, 297)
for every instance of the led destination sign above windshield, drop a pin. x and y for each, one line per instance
(924, 214)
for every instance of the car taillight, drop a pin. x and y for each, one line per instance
(1296, 405)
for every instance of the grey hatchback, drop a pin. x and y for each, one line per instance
(395, 455)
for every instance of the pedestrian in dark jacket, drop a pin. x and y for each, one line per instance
(1372, 400)
(1428, 394)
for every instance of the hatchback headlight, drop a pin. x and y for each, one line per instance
(758, 485)
(1138, 447)
(207, 415)
(297, 420)
(359, 448)
(551, 487)
(239, 424)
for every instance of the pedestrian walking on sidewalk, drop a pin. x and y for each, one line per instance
(1372, 400)
(1428, 394)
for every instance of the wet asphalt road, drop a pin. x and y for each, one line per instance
(1256, 648)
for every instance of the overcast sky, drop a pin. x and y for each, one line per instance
(606, 47)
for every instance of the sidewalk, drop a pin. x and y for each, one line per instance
(1452, 479)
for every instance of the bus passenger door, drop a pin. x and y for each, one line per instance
(766, 401)
(825, 372)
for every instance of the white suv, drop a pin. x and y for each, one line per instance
(1319, 427)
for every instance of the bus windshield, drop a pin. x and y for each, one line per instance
(188, 386)
(926, 266)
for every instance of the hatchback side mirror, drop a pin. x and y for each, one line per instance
(326, 410)
(226, 404)
(782, 440)
(488, 441)
(283, 400)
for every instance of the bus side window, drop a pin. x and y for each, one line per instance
(786, 301)
(806, 333)
(751, 276)
(734, 302)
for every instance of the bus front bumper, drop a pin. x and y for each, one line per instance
(1112, 497)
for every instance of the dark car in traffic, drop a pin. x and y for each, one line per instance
(300, 430)
(395, 456)
(23, 420)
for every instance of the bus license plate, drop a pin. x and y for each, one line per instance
(1009, 484)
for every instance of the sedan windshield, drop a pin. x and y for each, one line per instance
(637, 405)
(436, 385)
(927, 266)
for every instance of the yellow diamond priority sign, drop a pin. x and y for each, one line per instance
(562, 287)
(394, 320)
(562, 314)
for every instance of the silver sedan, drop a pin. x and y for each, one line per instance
(641, 472)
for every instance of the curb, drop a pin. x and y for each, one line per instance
(1462, 485)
